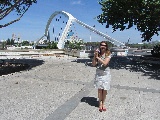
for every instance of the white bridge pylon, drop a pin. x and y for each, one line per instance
(72, 19)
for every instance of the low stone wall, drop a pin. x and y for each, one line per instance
(79, 53)
(30, 52)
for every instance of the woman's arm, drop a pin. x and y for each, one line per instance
(105, 61)
(94, 60)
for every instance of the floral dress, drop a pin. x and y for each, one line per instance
(102, 76)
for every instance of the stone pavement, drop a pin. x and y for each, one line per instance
(62, 89)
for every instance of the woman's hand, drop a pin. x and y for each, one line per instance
(94, 61)
(96, 52)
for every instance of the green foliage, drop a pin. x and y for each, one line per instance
(4, 45)
(8, 42)
(25, 43)
(12, 42)
(110, 44)
(19, 7)
(52, 45)
(156, 51)
(124, 14)
(74, 45)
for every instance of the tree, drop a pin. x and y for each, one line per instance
(12, 41)
(124, 14)
(4, 45)
(18, 6)
(25, 43)
(52, 45)
(156, 51)
(74, 44)
(8, 42)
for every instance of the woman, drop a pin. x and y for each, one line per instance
(102, 78)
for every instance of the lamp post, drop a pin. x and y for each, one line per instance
(90, 38)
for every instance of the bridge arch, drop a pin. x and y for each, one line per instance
(71, 19)
(69, 16)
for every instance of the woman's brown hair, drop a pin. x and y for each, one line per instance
(107, 50)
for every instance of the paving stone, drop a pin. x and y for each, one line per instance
(63, 88)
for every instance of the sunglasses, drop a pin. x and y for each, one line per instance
(103, 45)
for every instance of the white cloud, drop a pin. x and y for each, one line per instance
(78, 2)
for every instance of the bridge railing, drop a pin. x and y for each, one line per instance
(116, 42)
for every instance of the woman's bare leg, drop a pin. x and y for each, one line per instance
(104, 93)
(100, 95)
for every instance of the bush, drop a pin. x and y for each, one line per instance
(156, 51)
(52, 45)
(74, 45)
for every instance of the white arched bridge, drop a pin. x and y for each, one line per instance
(70, 21)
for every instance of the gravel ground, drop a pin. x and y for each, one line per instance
(61, 88)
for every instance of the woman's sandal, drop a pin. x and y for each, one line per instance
(103, 108)
(100, 109)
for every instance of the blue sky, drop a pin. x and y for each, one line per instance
(32, 25)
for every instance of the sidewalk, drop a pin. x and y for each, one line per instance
(62, 89)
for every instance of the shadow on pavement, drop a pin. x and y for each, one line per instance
(135, 64)
(131, 63)
(91, 101)
(86, 61)
(8, 66)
